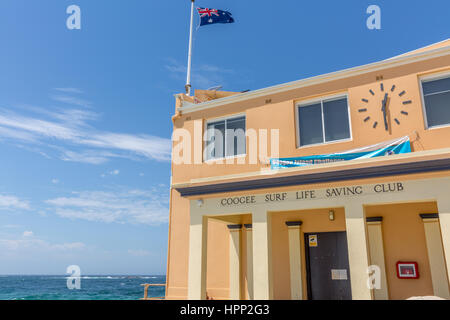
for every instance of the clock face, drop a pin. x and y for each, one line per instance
(385, 107)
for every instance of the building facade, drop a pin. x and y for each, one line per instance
(369, 228)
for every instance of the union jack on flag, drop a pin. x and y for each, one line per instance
(211, 16)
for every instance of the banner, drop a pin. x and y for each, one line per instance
(397, 146)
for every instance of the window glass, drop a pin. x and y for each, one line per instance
(335, 114)
(225, 138)
(438, 109)
(216, 140)
(235, 136)
(436, 86)
(310, 124)
(436, 96)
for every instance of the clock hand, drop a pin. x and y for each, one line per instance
(384, 111)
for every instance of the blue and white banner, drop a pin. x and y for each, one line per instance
(397, 146)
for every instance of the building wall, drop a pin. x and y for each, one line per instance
(178, 253)
(217, 274)
(403, 237)
(313, 221)
(404, 240)
(279, 113)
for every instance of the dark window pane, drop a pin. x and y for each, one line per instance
(235, 136)
(438, 109)
(310, 124)
(436, 86)
(215, 140)
(335, 114)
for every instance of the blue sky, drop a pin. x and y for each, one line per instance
(85, 115)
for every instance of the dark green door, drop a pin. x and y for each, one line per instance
(328, 273)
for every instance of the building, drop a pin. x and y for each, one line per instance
(241, 230)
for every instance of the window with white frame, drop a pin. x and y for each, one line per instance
(225, 138)
(323, 121)
(436, 96)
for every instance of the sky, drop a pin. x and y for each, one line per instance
(85, 115)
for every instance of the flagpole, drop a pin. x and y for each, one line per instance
(188, 80)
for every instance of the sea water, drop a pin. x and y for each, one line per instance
(92, 287)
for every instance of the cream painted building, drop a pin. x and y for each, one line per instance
(371, 228)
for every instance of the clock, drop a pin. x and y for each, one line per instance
(385, 107)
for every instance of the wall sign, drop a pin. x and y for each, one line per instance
(314, 194)
(407, 270)
(339, 274)
(312, 239)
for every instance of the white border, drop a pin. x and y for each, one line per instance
(402, 276)
(317, 100)
(343, 74)
(224, 118)
(428, 78)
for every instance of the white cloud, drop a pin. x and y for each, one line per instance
(12, 202)
(27, 234)
(111, 173)
(71, 128)
(38, 244)
(69, 90)
(72, 100)
(55, 181)
(148, 207)
(84, 157)
(203, 76)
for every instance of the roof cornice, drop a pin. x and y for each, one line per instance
(337, 75)
(389, 170)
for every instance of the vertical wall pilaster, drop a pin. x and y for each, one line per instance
(376, 254)
(436, 255)
(235, 261)
(295, 261)
(249, 240)
(444, 222)
(262, 259)
(198, 232)
(358, 254)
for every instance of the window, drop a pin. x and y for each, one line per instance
(436, 96)
(323, 121)
(225, 138)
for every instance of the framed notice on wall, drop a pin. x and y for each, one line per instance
(407, 270)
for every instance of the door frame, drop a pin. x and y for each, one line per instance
(307, 259)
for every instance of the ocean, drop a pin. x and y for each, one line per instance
(91, 287)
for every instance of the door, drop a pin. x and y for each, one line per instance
(328, 273)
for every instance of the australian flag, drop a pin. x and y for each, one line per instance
(211, 16)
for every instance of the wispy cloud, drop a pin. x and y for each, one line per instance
(69, 90)
(111, 173)
(148, 207)
(90, 157)
(203, 76)
(27, 234)
(12, 202)
(72, 100)
(30, 243)
(70, 130)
